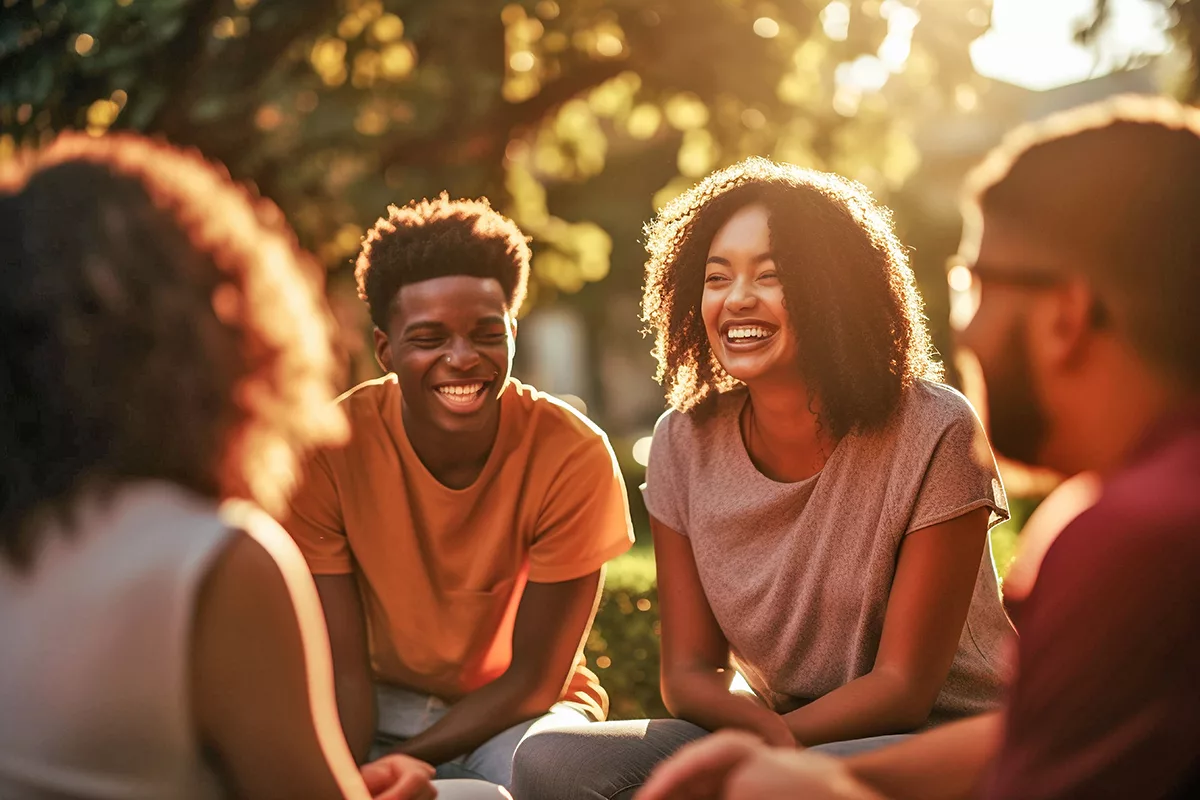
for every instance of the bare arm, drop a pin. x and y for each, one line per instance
(696, 671)
(351, 662)
(259, 672)
(930, 596)
(552, 623)
(946, 763)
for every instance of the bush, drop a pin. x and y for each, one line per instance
(623, 645)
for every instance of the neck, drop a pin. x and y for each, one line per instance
(783, 434)
(1113, 413)
(785, 414)
(454, 458)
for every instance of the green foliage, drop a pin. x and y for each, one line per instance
(334, 109)
(623, 645)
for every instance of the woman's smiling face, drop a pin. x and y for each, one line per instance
(743, 305)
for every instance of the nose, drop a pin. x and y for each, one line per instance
(741, 296)
(462, 355)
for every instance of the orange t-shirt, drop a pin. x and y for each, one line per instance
(441, 570)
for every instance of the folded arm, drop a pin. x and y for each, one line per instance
(930, 596)
(696, 670)
(551, 626)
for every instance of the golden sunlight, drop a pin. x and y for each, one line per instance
(1031, 42)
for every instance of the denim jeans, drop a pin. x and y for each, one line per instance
(404, 714)
(611, 760)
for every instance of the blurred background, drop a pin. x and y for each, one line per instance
(579, 118)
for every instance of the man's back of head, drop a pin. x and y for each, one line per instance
(1113, 190)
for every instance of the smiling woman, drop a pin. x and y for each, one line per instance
(818, 504)
(852, 305)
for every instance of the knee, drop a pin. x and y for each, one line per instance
(557, 765)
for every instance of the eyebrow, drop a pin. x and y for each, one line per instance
(724, 262)
(432, 325)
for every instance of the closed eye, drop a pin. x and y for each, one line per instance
(492, 336)
(716, 276)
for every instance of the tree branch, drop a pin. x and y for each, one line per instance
(489, 135)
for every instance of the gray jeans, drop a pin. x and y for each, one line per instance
(611, 760)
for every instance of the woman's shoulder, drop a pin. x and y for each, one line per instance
(701, 423)
(934, 407)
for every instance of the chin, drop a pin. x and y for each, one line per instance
(448, 422)
(751, 372)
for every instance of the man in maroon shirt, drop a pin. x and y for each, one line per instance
(1081, 270)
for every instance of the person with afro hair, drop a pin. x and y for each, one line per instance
(165, 360)
(819, 501)
(1076, 292)
(459, 540)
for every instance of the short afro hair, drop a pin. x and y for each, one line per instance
(436, 238)
(157, 322)
(1113, 189)
(847, 286)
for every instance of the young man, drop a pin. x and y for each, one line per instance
(458, 541)
(1085, 265)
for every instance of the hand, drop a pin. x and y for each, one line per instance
(699, 770)
(775, 731)
(770, 772)
(398, 777)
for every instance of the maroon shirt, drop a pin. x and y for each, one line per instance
(1106, 701)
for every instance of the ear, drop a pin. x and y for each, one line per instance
(512, 327)
(1068, 324)
(383, 351)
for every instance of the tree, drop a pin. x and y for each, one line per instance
(333, 109)
(1184, 21)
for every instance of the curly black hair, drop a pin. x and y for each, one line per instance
(847, 286)
(434, 238)
(156, 322)
(1113, 189)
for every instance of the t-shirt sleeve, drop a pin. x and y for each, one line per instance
(314, 521)
(961, 474)
(664, 489)
(1105, 702)
(584, 521)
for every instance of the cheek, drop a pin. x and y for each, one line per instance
(412, 365)
(988, 332)
(498, 353)
(710, 311)
(777, 305)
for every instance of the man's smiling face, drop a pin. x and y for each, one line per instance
(450, 341)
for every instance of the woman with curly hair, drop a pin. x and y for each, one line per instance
(164, 359)
(820, 503)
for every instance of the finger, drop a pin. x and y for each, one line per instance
(428, 792)
(378, 776)
(699, 769)
(412, 786)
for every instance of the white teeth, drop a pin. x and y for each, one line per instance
(748, 332)
(460, 394)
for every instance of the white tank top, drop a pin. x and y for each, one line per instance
(94, 652)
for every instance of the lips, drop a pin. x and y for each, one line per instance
(463, 396)
(747, 333)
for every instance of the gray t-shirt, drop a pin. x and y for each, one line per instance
(798, 574)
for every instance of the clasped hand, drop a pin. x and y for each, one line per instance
(735, 765)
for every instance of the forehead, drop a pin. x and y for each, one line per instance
(747, 229)
(449, 299)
